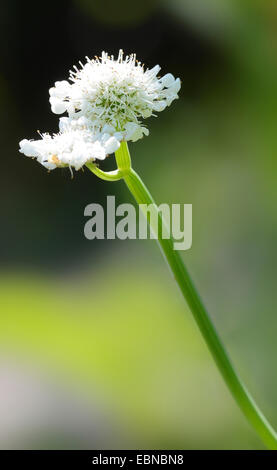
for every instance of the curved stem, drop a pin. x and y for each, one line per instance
(105, 175)
(236, 387)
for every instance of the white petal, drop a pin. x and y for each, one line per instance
(168, 80)
(145, 131)
(98, 151)
(154, 71)
(146, 113)
(60, 90)
(177, 85)
(57, 105)
(28, 148)
(134, 131)
(111, 145)
(159, 105)
(49, 166)
(130, 129)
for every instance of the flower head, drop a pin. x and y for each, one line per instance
(118, 92)
(106, 102)
(73, 146)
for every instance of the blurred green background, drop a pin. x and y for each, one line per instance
(98, 349)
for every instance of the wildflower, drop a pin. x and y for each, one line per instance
(73, 146)
(118, 93)
(106, 103)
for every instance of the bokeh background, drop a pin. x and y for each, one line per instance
(97, 348)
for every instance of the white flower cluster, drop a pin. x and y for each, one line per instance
(105, 103)
(74, 146)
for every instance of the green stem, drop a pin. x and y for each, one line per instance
(104, 175)
(182, 277)
(236, 387)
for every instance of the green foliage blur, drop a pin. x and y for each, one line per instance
(105, 317)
